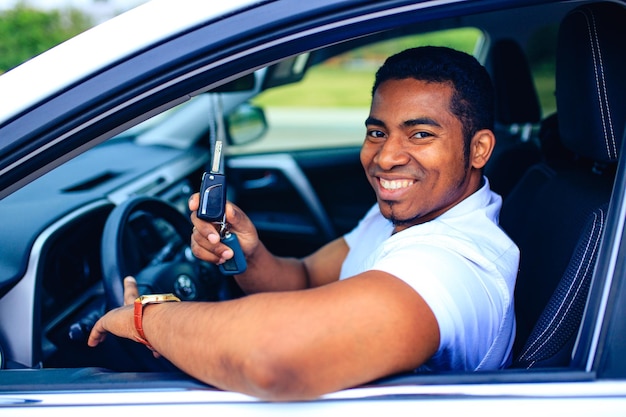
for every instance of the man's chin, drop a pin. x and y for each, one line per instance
(389, 211)
(401, 220)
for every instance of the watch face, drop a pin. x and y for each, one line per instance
(157, 298)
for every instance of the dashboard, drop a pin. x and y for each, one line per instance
(51, 272)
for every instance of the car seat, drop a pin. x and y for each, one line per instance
(517, 113)
(556, 212)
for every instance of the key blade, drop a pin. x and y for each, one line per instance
(217, 158)
(220, 135)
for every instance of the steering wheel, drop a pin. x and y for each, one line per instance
(148, 238)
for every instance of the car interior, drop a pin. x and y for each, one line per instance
(556, 211)
(555, 172)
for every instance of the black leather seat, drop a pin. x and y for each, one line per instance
(553, 336)
(555, 213)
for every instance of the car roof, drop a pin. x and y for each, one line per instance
(147, 24)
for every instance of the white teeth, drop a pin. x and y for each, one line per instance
(396, 184)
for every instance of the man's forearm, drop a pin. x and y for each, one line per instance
(267, 272)
(203, 343)
(231, 346)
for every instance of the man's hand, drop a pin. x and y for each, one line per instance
(119, 321)
(205, 238)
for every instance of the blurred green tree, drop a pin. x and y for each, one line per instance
(26, 31)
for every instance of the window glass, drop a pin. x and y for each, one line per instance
(541, 53)
(329, 106)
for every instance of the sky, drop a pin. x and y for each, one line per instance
(99, 9)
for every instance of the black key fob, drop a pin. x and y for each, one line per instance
(212, 197)
(237, 264)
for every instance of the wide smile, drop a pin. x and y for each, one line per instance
(393, 185)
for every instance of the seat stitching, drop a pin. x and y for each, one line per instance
(598, 68)
(593, 239)
(550, 328)
(611, 136)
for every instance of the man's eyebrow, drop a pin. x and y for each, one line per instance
(374, 121)
(421, 121)
(407, 123)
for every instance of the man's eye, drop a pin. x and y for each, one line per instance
(422, 135)
(375, 134)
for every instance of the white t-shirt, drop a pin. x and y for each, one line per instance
(462, 264)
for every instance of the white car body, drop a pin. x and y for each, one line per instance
(53, 73)
(101, 46)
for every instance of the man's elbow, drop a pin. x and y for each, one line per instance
(275, 377)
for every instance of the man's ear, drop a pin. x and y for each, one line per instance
(481, 148)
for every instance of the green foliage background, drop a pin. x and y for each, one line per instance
(346, 81)
(341, 82)
(26, 32)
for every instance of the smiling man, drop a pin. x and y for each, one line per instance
(424, 282)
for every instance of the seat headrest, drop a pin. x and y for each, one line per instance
(516, 96)
(591, 80)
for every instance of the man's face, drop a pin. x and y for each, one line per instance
(413, 154)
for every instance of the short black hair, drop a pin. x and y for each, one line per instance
(473, 98)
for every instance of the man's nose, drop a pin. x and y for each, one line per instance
(392, 152)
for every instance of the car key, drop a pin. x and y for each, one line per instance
(237, 264)
(213, 190)
(213, 196)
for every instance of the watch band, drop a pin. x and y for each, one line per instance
(142, 301)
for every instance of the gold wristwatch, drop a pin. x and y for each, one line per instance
(142, 301)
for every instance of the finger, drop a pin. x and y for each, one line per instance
(97, 335)
(194, 202)
(205, 229)
(214, 238)
(201, 252)
(130, 290)
(243, 227)
(211, 253)
(234, 215)
(209, 243)
(205, 238)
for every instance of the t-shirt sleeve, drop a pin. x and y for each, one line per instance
(468, 308)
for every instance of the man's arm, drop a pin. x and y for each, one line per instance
(265, 272)
(291, 345)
